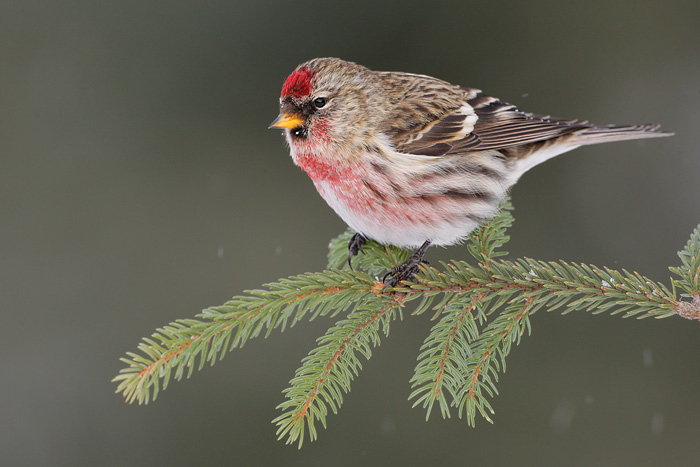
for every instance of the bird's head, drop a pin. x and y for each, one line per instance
(328, 102)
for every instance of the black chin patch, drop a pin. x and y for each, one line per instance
(299, 132)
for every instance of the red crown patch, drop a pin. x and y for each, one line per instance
(298, 84)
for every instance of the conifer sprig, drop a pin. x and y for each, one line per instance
(326, 372)
(480, 309)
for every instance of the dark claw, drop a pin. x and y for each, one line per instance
(407, 270)
(355, 245)
(403, 272)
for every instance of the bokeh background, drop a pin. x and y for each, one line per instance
(139, 184)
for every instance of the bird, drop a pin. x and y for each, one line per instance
(413, 161)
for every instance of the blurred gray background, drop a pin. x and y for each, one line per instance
(139, 184)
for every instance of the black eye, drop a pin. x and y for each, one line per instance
(319, 102)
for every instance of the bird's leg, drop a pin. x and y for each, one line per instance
(355, 245)
(406, 271)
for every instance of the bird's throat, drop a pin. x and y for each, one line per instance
(318, 168)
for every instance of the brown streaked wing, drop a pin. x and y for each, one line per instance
(499, 125)
(426, 111)
(502, 125)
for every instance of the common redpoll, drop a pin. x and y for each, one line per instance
(413, 161)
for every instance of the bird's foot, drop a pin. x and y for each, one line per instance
(405, 271)
(355, 245)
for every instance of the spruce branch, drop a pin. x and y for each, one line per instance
(327, 371)
(480, 310)
(689, 273)
(186, 344)
(489, 357)
(445, 354)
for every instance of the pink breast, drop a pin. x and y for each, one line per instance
(320, 170)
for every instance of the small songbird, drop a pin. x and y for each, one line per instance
(413, 161)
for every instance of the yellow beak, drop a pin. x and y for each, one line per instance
(287, 120)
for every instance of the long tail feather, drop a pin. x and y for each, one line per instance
(605, 134)
(545, 150)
